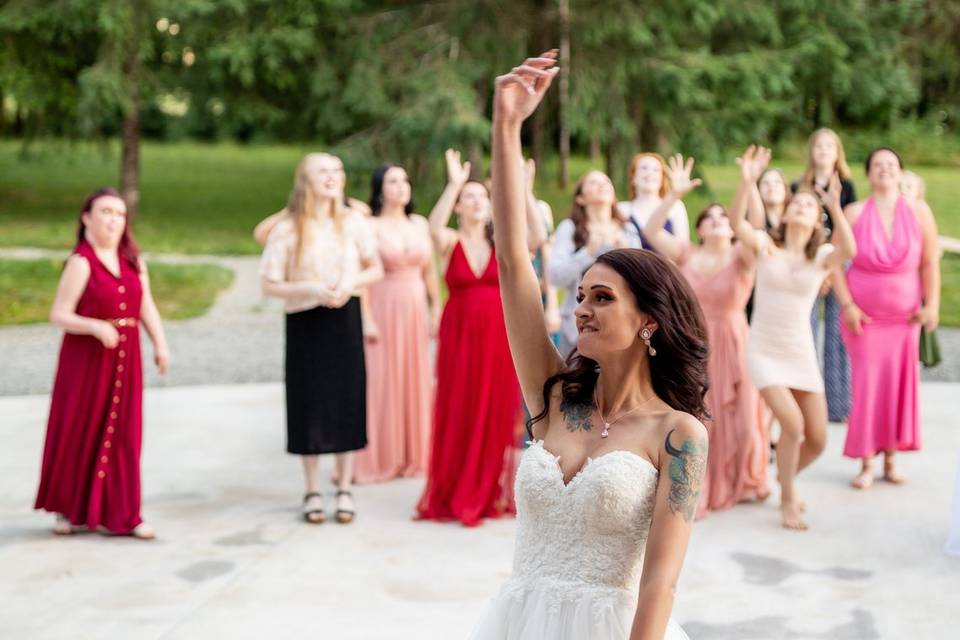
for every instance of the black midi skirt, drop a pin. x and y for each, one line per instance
(326, 381)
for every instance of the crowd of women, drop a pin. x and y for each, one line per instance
(363, 302)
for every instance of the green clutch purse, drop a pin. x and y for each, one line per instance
(929, 348)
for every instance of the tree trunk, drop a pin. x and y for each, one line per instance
(130, 127)
(594, 147)
(564, 93)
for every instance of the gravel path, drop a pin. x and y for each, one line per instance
(239, 340)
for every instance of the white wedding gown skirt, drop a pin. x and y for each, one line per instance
(953, 538)
(579, 551)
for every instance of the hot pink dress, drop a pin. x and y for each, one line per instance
(399, 382)
(737, 462)
(884, 281)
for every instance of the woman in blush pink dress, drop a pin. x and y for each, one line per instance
(891, 290)
(792, 263)
(399, 381)
(721, 275)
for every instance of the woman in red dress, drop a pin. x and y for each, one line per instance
(90, 476)
(470, 476)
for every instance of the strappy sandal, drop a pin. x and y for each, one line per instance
(344, 516)
(313, 516)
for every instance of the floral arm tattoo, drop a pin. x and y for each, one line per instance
(686, 475)
(577, 416)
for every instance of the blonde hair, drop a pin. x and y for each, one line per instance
(664, 181)
(921, 184)
(840, 167)
(302, 203)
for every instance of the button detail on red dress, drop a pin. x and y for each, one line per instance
(116, 399)
(106, 443)
(118, 384)
(101, 474)
(123, 306)
(121, 289)
(109, 429)
(122, 352)
(103, 459)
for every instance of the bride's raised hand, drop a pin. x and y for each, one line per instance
(678, 175)
(753, 162)
(519, 92)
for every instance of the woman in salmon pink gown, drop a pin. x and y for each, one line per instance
(399, 376)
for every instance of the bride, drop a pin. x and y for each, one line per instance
(619, 453)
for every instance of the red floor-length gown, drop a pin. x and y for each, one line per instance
(477, 402)
(91, 457)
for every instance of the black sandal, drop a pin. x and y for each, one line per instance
(313, 516)
(344, 516)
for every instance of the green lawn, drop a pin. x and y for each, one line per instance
(27, 288)
(950, 290)
(200, 198)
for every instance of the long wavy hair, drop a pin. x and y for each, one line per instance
(840, 167)
(817, 238)
(578, 213)
(128, 248)
(678, 372)
(303, 202)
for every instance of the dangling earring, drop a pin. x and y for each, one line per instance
(645, 335)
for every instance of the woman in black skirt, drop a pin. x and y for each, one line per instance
(317, 258)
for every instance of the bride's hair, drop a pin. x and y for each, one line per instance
(678, 372)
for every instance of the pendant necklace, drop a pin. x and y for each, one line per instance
(607, 424)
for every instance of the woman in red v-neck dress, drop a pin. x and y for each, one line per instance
(470, 476)
(90, 475)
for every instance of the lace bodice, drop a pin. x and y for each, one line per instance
(586, 537)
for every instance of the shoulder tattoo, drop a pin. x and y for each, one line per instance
(687, 467)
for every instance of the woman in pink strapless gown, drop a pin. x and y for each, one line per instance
(891, 288)
(721, 275)
(399, 380)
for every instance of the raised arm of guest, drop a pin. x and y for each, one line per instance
(262, 231)
(845, 245)
(444, 238)
(752, 163)
(659, 238)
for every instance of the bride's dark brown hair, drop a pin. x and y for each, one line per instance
(678, 372)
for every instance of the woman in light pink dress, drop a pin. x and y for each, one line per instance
(399, 380)
(891, 290)
(721, 275)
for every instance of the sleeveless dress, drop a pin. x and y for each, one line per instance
(91, 456)
(399, 379)
(737, 460)
(781, 350)
(477, 402)
(885, 283)
(579, 551)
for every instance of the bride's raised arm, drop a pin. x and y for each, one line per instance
(517, 95)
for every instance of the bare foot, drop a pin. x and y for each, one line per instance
(864, 480)
(790, 513)
(891, 475)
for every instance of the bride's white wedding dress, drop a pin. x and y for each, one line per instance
(579, 550)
